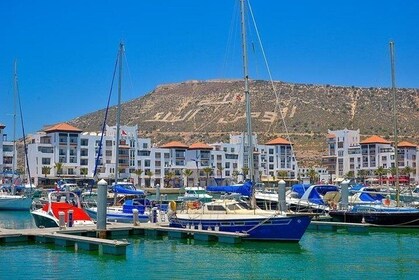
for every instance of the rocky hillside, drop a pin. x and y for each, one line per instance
(211, 110)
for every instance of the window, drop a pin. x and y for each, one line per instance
(46, 161)
(216, 208)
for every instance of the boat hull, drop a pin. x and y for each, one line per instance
(289, 229)
(116, 216)
(11, 202)
(400, 219)
(43, 220)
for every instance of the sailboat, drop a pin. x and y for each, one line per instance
(124, 212)
(383, 214)
(12, 200)
(236, 215)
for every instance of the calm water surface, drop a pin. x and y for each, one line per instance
(319, 255)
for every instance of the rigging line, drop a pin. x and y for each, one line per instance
(128, 70)
(23, 129)
(106, 117)
(230, 40)
(270, 78)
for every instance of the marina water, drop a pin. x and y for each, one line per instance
(391, 254)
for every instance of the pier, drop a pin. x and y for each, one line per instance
(87, 237)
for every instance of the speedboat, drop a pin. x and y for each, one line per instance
(238, 216)
(124, 213)
(65, 203)
(314, 198)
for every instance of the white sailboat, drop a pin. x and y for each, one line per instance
(121, 213)
(240, 216)
(11, 200)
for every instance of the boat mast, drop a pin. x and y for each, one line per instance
(396, 152)
(14, 165)
(118, 115)
(247, 98)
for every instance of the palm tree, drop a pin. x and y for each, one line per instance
(208, 171)
(138, 172)
(187, 173)
(149, 173)
(59, 166)
(235, 175)
(362, 173)
(245, 171)
(380, 171)
(168, 177)
(83, 171)
(220, 170)
(406, 171)
(350, 174)
(282, 174)
(46, 170)
(313, 175)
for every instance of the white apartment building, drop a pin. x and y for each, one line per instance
(346, 153)
(7, 152)
(65, 152)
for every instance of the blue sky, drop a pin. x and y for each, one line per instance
(66, 50)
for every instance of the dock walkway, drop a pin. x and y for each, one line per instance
(106, 242)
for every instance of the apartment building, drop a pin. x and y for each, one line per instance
(347, 153)
(64, 152)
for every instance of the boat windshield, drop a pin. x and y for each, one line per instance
(244, 205)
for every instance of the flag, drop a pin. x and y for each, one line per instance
(123, 133)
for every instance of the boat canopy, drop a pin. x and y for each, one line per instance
(243, 189)
(126, 189)
(314, 194)
(300, 189)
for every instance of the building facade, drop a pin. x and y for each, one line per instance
(347, 154)
(65, 152)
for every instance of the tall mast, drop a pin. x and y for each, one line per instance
(247, 94)
(396, 152)
(247, 97)
(118, 115)
(14, 165)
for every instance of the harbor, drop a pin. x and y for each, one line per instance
(331, 254)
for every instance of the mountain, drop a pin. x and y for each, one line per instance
(211, 110)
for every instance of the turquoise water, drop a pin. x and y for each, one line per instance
(319, 255)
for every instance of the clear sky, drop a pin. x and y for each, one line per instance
(66, 50)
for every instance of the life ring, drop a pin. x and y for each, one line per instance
(172, 205)
(387, 202)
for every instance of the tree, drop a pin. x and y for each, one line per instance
(220, 170)
(149, 173)
(235, 175)
(313, 175)
(168, 177)
(406, 171)
(380, 171)
(350, 174)
(187, 173)
(46, 170)
(138, 172)
(83, 171)
(282, 174)
(59, 167)
(208, 171)
(245, 171)
(362, 173)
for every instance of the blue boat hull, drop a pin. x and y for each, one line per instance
(119, 217)
(289, 229)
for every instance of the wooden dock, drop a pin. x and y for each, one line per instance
(106, 242)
